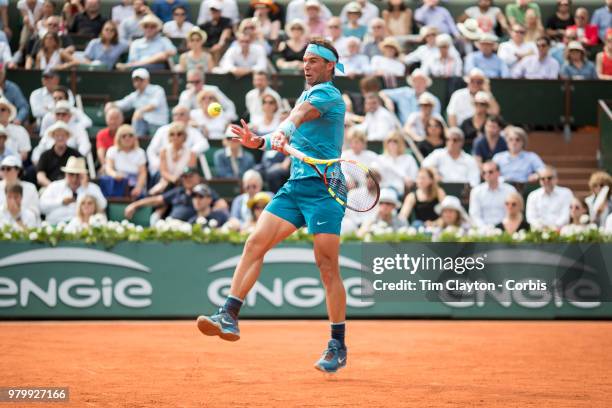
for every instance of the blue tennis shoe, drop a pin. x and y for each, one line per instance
(220, 324)
(333, 358)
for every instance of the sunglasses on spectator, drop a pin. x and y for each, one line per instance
(4, 110)
(542, 45)
(513, 139)
(489, 172)
(195, 38)
(195, 81)
(477, 81)
(269, 102)
(392, 141)
(453, 139)
(127, 135)
(176, 134)
(251, 187)
(511, 203)
(8, 168)
(546, 178)
(62, 113)
(520, 31)
(200, 196)
(178, 14)
(209, 98)
(333, 26)
(436, 125)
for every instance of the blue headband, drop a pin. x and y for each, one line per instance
(326, 54)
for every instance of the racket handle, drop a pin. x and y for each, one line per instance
(292, 151)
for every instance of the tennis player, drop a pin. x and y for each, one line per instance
(315, 127)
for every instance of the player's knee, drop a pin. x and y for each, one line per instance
(329, 270)
(255, 246)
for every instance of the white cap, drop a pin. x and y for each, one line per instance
(59, 125)
(215, 4)
(11, 161)
(62, 106)
(427, 99)
(388, 195)
(482, 97)
(141, 73)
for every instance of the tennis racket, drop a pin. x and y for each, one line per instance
(350, 183)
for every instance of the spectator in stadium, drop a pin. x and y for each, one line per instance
(587, 33)
(47, 10)
(11, 171)
(107, 49)
(58, 200)
(533, 26)
(77, 116)
(486, 59)
(106, 137)
(79, 139)
(12, 212)
(87, 207)
(434, 136)
(41, 99)
(432, 14)
(6, 57)
(196, 58)
(269, 121)
(4, 151)
(452, 215)
(291, 51)
(405, 98)
(263, 12)
(355, 63)
(443, 64)
(358, 147)
(602, 18)
(50, 55)
(470, 33)
(165, 9)
(219, 30)
(390, 62)
(487, 199)
(256, 205)
(232, 161)
(600, 182)
(122, 11)
(491, 142)
(151, 51)
(425, 51)
(386, 214)
(228, 9)
(252, 184)
(125, 166)
(513, 217)
(148, 102)
(549, 205)
(490, 18)
(130, 28)
(49, 166)
(243, 59)
(376, 34)
(196, 142)
(31, 11)
(515, 49)
(315, 23)
(397, 168)
(250, 28)
(334, 35)
(452, 164)
(559, 50)
(173, 158)
(539, 66)
(474, 127)
(378, 122)
(416, 124)
(52, 25)
(179, 199)
(516, 164)
(195, 84)
(178, 26)
(603, 61)
(70, 10)
(254, 98)
(88, 23)
(205, 215)
(211, 127)
(419, 205)
(516, 12)
(398, 18)
(352, 26)
(461, 104)
(296, 10)
(11, 91)
(578, 212)
(576, 65)
(558, 22)
(18, 137)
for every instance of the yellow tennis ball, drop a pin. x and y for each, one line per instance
(214, 109)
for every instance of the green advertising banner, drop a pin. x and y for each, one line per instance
(185, 279)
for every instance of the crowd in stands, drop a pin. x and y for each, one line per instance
(426, 148)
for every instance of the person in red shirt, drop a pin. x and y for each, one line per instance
(106, 137)
(587, 33)
(603, 62)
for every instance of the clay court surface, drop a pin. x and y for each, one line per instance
(390, 364)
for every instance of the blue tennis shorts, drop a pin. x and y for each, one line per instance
(307, 202)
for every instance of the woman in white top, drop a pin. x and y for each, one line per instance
(270, 119)
(268, 28)
(487, 16)
(196, 57)
(127, 160)
(357, 147)
(173, 158)
(388, 64)
(87, 207)
(10, 170)
(397, 168)
(416, 124)
(211, 127)
(50, 55)
(600, 180)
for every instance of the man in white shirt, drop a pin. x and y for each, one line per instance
(296, 10)
(333, 31)
(368, 13)
(379, 122)
(487, 199)
(358, 143)
(229, 9)
(452, 163)
(178, 27)
(13, 213)
(58, 201)
(78, 117)
(195, 140)
(549, 205)
(196, 82)
(515, 49)
(41, 99)
(461, 104)
(538, 66)
(18, 138)
(247, 57)
(253, 97)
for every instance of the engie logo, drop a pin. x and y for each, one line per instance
(302, 292)
(77, 291)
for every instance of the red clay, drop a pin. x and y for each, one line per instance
(390, 364)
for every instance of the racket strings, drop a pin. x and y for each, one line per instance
(353, 185)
